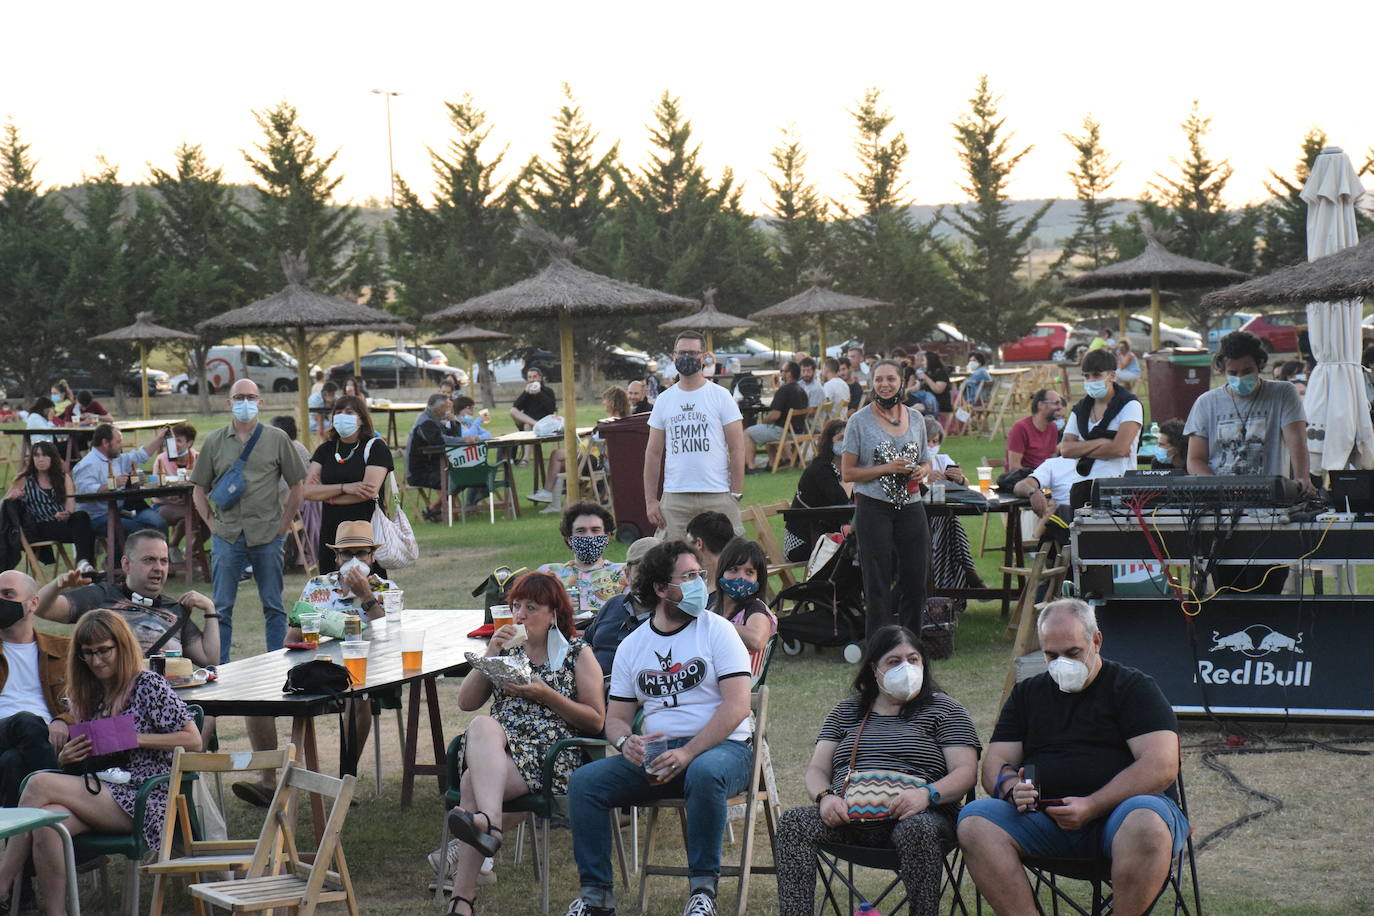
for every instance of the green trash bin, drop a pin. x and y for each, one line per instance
(1178, 377)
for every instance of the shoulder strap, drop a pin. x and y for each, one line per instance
(183, 621)
(252, 441)
(854, 753)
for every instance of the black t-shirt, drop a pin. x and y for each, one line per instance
(791, 396)
(943, 398)
(1077, 741)
(537, 406)
(148, 621)
(357, 459)
(643, 407)
(856, 395)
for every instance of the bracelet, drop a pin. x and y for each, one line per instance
(997, 788)
(212, 616)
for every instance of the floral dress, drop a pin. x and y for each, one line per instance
(532, 728)
(157, 710)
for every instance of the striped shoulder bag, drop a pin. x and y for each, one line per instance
(869, 794)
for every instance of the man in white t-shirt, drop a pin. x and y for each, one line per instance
(33, 668)
(1056, 474)
(1103, 429)
(688, 670)
(696, 435)
(835, 389)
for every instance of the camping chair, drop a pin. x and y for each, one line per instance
(301, 888)
(778, 564)
(837, 861)
(995, 464)
(756, 795)
(199, 856)
(56, 552)
(475, 466)
(1097, 873)
(541, 807)
(787, 448)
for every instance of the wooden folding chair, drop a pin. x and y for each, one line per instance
(309, 562)
(201, 856)
(778, 564)
(999, 404)
(1048, 570)
(39, 569)
(756, 795)
(816, 419)
(301, 888)
(787, 448)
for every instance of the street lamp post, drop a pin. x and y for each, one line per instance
(390, 158)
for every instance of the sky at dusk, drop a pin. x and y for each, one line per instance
(129, 82)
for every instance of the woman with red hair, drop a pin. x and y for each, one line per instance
(503, 751)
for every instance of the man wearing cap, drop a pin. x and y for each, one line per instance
(251, 531)
(33, 677)
(619, 616)
(352, 586)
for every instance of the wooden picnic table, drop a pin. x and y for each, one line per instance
(393, 436)
(114, 530)
(78, 436)
(510, 442)
(253, 687)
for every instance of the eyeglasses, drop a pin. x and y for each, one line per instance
(100, 652)
(688, 352)
(689, 576)
(245, 397)
(352, 554)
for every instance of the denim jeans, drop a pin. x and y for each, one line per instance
(24, 748)
(600, 787)
(139, 521)
(926, 400)
(892, 539)
(227, 563)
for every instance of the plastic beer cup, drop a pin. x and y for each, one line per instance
(310, 629)
(355, 660)
(412, 649)
(985, 480)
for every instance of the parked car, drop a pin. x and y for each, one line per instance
(1137, 332)
(388, 368)
(618, 365)
(1278, 331)
(1047, 340)
(91, 377)
(1225, 326)
(950, 343)
(432, 355)
(752, 355)
(272, 369)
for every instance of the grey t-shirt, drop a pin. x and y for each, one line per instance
(1245, 435)
(815, 392)
(871, 441)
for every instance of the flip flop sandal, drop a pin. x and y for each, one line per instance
(455, 900)
(462, 826)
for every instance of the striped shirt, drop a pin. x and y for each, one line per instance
(40, 504)
(913, 745)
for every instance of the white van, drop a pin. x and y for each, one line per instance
(272, 369)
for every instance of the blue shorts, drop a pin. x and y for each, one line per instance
(1038, 835)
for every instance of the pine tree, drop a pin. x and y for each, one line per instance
(1092, 178)
(461, 246)
(36, 292)
(995, 302)
(202, 248)
(880, 252)
(295, 212)
(799, 222)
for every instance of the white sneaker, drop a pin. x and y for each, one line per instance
(542, 496)
(486, 874)
(700, 904)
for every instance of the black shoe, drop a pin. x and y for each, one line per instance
(255, 793)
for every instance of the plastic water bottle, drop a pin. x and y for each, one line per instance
(867, 909)
(1151, 437)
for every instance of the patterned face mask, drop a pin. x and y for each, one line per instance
(739, 589)
(588, 548)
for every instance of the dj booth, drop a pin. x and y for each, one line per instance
(1230, 654)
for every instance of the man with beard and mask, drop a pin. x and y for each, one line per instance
(249, 529)
(33, 679)
(696, 436)
(689, 671)
(587, 530)
(1104, 745)
(106, 459)
(160, 622)
(352, 587)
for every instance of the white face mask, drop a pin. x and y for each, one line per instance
(1069, 673)
(902, 682)
(933, 448)
(354, 563)
(972, 364)
(533, 387)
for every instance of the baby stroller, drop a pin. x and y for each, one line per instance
(828, 608)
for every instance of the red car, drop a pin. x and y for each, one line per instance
(1278, 331)
(1046, 341)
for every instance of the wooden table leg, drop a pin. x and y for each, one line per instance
(1013, 555)
(111, 541)
(436, 733)
(412, 734)
(409, 767)
(392, 435)
(303, 736)
(188, 539)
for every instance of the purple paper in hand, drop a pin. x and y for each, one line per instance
(108, 736)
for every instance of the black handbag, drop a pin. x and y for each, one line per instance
(317, 676)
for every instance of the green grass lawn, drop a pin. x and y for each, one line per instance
(1308, 858)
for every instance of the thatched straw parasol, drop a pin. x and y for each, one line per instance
(708, 320)
(295, 310)
(1154, 264)
(817, 301)
(476, 340)
(1123, 299)
(564, 291)
(141, 332)
(1347, 274)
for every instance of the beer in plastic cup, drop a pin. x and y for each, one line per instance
(393, 600)
(355, 660)
(310, 629)
(985, 480)
(412, 649)
(653, 748)
(501, 616)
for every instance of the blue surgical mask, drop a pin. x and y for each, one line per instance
(245, 411)
(739, 589)
(345, 424)
(1095, 389)
(1059, 423)
(693, 600)
(1161, 453)
(1243, 385)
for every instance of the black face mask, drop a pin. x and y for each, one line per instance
(887, 403)
(687, 365)
(11, 612)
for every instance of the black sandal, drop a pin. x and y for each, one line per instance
(455, 900)
(462, 826)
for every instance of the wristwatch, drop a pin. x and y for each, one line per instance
(934, 793)
(621, 741)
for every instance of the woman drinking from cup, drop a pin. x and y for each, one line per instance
(901, 725)
(103, 681)
(886, 458)
(346, 474)
(503, 751)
